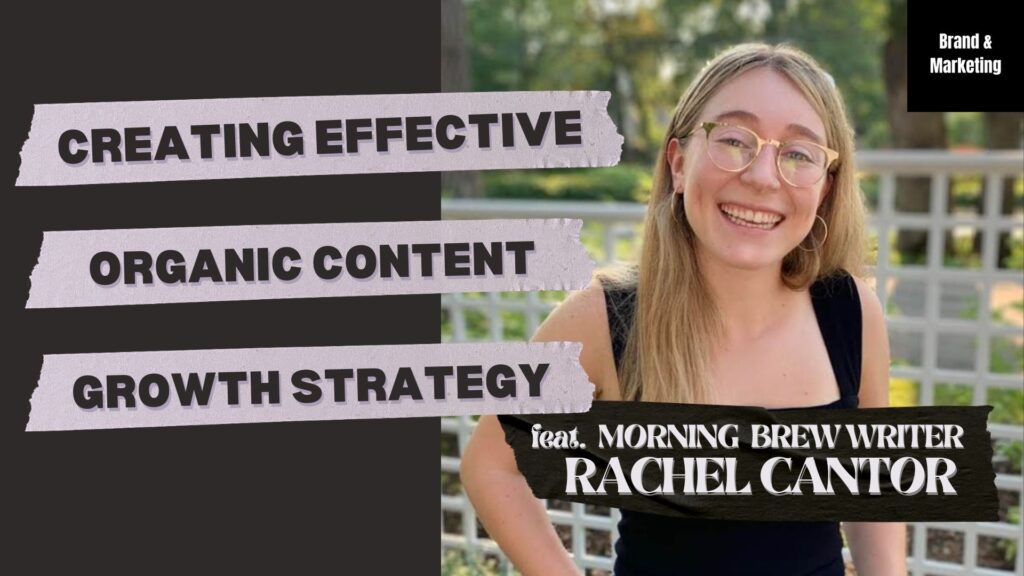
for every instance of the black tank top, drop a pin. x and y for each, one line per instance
(652, 544)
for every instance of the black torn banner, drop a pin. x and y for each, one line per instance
(744, 463)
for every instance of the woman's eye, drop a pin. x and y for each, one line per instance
(798, 156)
(732, 142)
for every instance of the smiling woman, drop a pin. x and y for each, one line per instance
(747, 292)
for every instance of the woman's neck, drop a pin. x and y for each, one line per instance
(750, 302)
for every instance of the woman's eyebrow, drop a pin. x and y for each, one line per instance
(753, 118)
(738, 114)
(807, 133)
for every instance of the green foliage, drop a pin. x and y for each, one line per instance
(1007, 356)
(966, 191)
(451, 484)
(623, 183)
(1008, 406)
(953, 395)
(462, 563)
(1015, 259)
(645, 53)
(899, 257)
(963, 253)
(965, 129)
(478, 327)
(869, 185)
(1010, 547)
(1013, 451)
(535, 45)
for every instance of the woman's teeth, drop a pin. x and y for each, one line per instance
(750, 218)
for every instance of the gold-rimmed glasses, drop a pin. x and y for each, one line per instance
(733, 148)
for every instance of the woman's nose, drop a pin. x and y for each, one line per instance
(763, 171)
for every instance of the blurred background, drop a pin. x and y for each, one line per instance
(945, 193)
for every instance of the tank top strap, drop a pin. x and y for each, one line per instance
(619, 304)
(837, 307)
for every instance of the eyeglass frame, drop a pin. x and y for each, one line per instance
(830, 155)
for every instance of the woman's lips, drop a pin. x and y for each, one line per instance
(750, 219)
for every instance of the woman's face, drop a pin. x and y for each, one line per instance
(750, 219)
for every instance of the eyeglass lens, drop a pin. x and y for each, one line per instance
(732, 148)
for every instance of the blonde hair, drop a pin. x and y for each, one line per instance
(675, 321)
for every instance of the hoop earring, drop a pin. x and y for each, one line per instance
(811, 234)
(675, 205)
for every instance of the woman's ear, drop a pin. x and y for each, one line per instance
(675, 155)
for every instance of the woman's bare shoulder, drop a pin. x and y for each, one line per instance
(874, 384)
(582, 312)
(871, 308)
(582, 317)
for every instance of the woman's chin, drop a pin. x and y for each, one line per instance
(750, 260)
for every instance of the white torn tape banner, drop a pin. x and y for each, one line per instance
(202, 387)
(170, 140)
(166, 265)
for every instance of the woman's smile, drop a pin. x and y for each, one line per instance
(750, 217)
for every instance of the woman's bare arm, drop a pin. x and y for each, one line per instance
(513, 517)
(878, 548)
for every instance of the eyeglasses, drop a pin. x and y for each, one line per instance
(734, 148)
